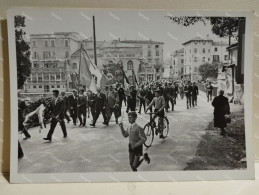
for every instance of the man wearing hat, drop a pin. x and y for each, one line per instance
(159, 103)
(72, 99)
(57, 116)
(132, 99)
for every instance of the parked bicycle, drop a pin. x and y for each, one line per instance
(150, 129)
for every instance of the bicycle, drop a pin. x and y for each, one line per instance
(150, 126)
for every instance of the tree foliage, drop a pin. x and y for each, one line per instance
(221, 26)
(22, 52)
(208, 70)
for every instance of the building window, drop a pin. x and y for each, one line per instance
(208, 50)
(226, 57)
(40, 86)
(52, 43)
(39, 77)
(53, 54)
(34, 87)
(46, 76)
(62, 76)
(195, 50)
(52, 86)
(208, 59)
(215, 58)
(67, 54)
(46, 43)
(203, 50)
(46, 55)
(34, 43)
(157, 52)
(149, 53)
(35, 65)
(157, 46)
(150, 77)
(58, 86)
(195, 59)
(182, 61)
(74, 65)
(57, 76)
(157, 69)
(34, 55)
(52, 77)
(203, 59)
(130, 65)
(215, 49)
(66, 43)
(46, 88)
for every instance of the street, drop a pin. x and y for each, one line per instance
(104, 149)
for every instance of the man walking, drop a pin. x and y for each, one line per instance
(72, 99)
(57, 115)
(100, 106)
(82, 100)
(188, 94)
(66, 105)
(142, 94)
(195, 93)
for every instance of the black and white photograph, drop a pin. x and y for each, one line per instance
(106, 95)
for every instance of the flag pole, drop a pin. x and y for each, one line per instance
(95, 57)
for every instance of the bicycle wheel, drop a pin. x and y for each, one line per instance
(165, 127)
(149, 132)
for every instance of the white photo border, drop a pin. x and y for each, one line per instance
(203, 175)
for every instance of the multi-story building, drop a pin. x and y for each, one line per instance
(198, 51)
(50, 56)
(151, 66)
(178, 63)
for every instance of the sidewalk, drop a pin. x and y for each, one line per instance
(216, 152)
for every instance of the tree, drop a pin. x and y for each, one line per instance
(208, 70)
(22, 52)
(221, 26)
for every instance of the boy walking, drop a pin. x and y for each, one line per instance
(137, 138)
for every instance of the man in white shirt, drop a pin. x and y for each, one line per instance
(137, 138)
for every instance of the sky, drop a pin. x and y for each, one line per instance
(114, 24)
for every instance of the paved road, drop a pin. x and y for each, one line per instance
(103, 149)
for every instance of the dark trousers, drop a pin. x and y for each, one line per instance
(142, 102)
(194, 100)
(20, 151)
(97, 113)
(53, 125)
(73, 113)
(172, 100)
(189, 101)
(82, 112)
(131, 106)
(209, 96)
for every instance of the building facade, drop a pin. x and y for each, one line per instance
(198, 51)
(50, 57)
(178, 63)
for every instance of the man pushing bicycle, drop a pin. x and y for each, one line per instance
(159, 103)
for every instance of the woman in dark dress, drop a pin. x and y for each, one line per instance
(221, 108)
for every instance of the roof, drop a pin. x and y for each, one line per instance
(119, 44)
(232, 46)
(220, 44)
(142, 41)
(198, 38)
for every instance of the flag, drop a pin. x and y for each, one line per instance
(95, 71)
(125, 77)
(92, 86)
(134, 79)
(84, 72)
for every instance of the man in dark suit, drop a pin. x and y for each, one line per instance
(188, 94)
(81, 106)
(57, 115)
(142, 94)
(65, 99)
(195, 92)
(100, 105)
(72, 99)
(132, 99)
(221, 108)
